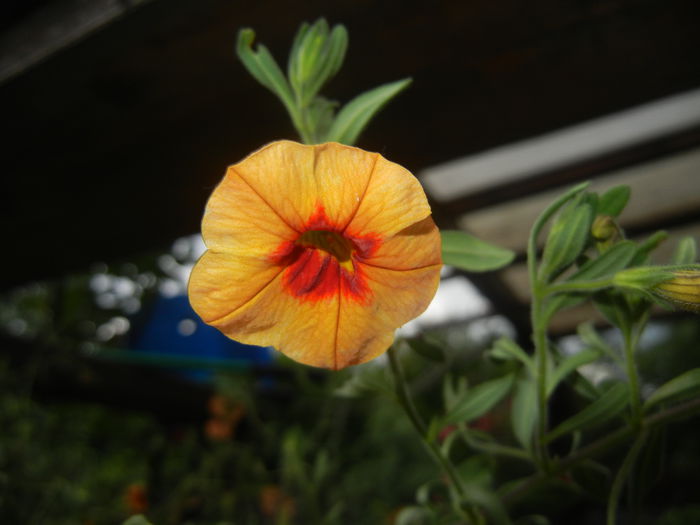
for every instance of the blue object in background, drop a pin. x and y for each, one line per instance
(170, 326)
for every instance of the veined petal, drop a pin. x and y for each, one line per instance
(304, 331)
(317, 186)
(394, 200)
(238, 220)
(417, 246)
(221, 283)
(366, 331)
(334, 331)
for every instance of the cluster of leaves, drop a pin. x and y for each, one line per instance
(585, 257)
(316, 55)
(299, 455)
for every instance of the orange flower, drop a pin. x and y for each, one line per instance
(320, 251)
(275, 502)
(136, 498)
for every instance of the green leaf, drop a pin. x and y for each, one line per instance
(477, 470)
(306, 55)
(293, 64)
(428, 349)
(505, 348)
(356, 114)
(451, 393)
(365, 381)
(566, 239)
(570, 364)
(606, 407)
(487, 499)
(613, 201)
(334, 55)
(681, 387)
(685, 252)
(590, 336)
(466, 252)
(316, 56)
(479, 400)
(321, 113)
(548, 212)
(414, 516)
(650, 466)
(263, 67)
(646, 247)
(524, 411)
(607, 264)
(138, 519)
(613, 260)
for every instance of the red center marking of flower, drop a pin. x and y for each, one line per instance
(323, 261)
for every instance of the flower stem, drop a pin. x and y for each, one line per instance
(539, 322)
(629, 343)
(406, 402)
(622, 476)
(601, 446)
(539, 336)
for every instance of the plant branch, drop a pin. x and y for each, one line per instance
(602, 445)
(406, 403)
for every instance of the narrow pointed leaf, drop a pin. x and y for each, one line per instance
(479, 400)
(566, 238)
(570, 364)
(356, 114)
(466, 252)
(334, 54)
(452, 392)
(685, 252)
(681, 387)
(613, 201)
(648, 246)
(506, 348)
(607, 264)
(606, 407)
(524, 411)
(293, 62)
(263, 67)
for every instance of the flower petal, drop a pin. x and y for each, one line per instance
(366, 331)
(301, 182)
(221, 283)
(304, 331)
(394, 200)
(248, 303)
(238, 220)
(414, 247)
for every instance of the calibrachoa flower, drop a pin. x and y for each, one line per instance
(320, 251)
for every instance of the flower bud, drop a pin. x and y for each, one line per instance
(604, 228)
(683, 290)
(679, 285)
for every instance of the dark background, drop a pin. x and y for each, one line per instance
(114, 143)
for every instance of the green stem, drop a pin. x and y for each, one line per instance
(539, 336)
(622, 476)
(629, 343)
(539, 322)
(443, 462)
(601, 446)
(493, 448)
